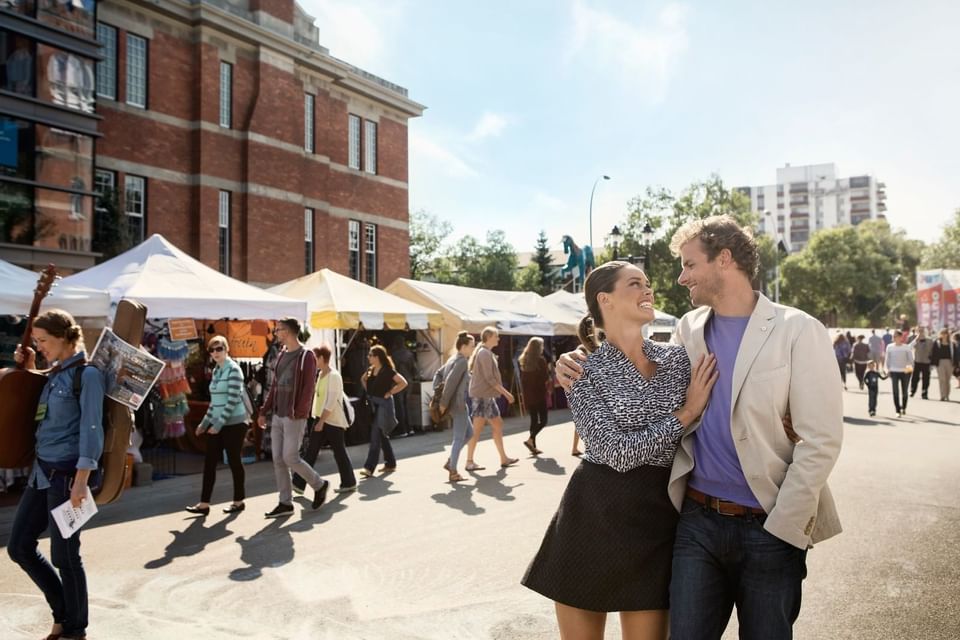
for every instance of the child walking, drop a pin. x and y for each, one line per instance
(872, 381)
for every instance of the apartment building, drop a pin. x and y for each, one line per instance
(806, 199)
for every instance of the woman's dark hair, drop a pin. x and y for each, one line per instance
(601, 280)
(463, 338)
(60, 324)
(381, 354)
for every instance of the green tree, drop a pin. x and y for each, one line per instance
(483, 266)
(542, 277)
(945, 253)
(847, 276)
(665, 212)
(427, 234)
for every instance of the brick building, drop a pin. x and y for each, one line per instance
(227, 128)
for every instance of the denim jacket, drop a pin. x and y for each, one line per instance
(71, 431)
(384, 414)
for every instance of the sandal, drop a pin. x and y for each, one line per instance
(473, 466)
(456, 477)
(576, 454)
(532, 447)
(365, 473)
(510, 462)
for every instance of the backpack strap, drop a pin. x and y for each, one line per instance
(78, 380)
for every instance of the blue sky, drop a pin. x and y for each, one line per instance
(529, 101)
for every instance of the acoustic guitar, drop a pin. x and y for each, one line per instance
(20, 391)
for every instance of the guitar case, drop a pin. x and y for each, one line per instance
(128, 324)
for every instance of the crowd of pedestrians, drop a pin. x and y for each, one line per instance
(906, 356)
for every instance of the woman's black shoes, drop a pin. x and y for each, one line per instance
(234, 508)
(203, 511)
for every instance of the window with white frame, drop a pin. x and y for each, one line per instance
(370, 147)
(353, 248)
(308, 101)
(353, 160)
(370, 253)
(308, 240)
(135, 206)
(223, 225)
(136, 71)
(104, 181)
(226, 94)
(107, 68)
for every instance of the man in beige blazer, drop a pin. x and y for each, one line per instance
(752, 498)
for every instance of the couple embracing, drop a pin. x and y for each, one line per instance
(704, 478)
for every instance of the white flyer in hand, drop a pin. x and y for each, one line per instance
(69, 520)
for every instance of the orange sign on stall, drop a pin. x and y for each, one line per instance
(247, 338)
(182, 329)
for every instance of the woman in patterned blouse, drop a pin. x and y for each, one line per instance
(609, 546)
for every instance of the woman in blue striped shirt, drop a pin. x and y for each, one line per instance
(225, 424)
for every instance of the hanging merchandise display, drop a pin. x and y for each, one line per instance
(173, 386)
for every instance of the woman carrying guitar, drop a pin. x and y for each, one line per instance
(69, 444)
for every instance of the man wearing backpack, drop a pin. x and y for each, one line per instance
(329, 411)
(288, 405)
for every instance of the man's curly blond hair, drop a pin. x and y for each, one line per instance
(717, 233)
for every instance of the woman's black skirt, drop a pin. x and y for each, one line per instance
(610, 545)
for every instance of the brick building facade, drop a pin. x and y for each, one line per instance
(228, 129)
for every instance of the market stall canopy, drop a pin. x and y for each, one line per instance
(576, 304)
(173, 285)
(335, 301)
(16, 295)
(465, 308)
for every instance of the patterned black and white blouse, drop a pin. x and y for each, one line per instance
(624, 419)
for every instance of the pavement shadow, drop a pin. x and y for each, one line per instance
(871, 422)
(272, 546)
(375, 487)
(494, 485)
(550, 466)
(192, 540)
(460, 497)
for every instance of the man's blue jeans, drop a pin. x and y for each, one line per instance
(720, 561)
(66, 593)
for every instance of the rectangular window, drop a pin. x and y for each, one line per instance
(135, 206)
(223, 224)
(370, 147)
(308, 122)
(353, 161)
(353, 248)
(226, 93)
(104, 181)
(107, 68)
(308, 239)
(370, 252)
(136, 71)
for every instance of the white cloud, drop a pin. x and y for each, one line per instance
(432, 157)
(354, 31)
(490, 125)
(645, 55)
(544, 201)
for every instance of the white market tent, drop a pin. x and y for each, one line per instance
(16, 295)
(335, 301)
(174, 285)
(468, 309)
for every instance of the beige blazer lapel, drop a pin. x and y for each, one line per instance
(697, 345)
(759, 328)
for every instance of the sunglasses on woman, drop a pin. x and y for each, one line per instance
(216, 349)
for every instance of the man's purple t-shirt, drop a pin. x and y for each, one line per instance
(717, 470)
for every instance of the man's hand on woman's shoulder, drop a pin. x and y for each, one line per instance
(569, 369)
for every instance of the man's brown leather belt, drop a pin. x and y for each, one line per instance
(723, 507)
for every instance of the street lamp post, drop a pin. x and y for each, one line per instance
(595, 182)
(776, 268)
(615, 238)
(647, 235)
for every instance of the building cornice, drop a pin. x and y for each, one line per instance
(242, 27)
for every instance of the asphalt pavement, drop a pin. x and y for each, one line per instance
(410, 556)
